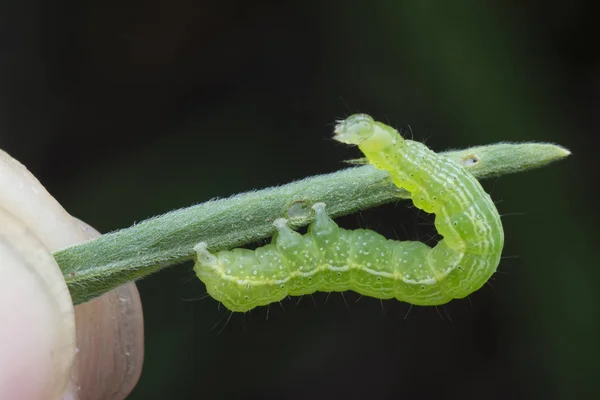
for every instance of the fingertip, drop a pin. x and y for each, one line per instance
(37, 339)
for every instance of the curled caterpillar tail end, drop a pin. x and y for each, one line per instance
(204, 256)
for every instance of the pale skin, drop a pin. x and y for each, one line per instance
(48, 348)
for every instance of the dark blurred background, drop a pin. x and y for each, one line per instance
(129, 109)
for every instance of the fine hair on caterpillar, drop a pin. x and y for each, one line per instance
(331, 259)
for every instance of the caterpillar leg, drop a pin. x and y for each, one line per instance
(323, 230)
(300, 257)
(333, 248)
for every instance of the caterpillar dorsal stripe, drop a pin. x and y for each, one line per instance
(331, 259)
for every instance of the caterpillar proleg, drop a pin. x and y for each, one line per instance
(331, 259)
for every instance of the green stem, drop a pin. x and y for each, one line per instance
(97, 266)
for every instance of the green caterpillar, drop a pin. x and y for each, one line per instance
(331, 259)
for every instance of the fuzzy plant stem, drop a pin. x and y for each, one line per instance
(97, 266)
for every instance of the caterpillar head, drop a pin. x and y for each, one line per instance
(355, 129)
(362, 130)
